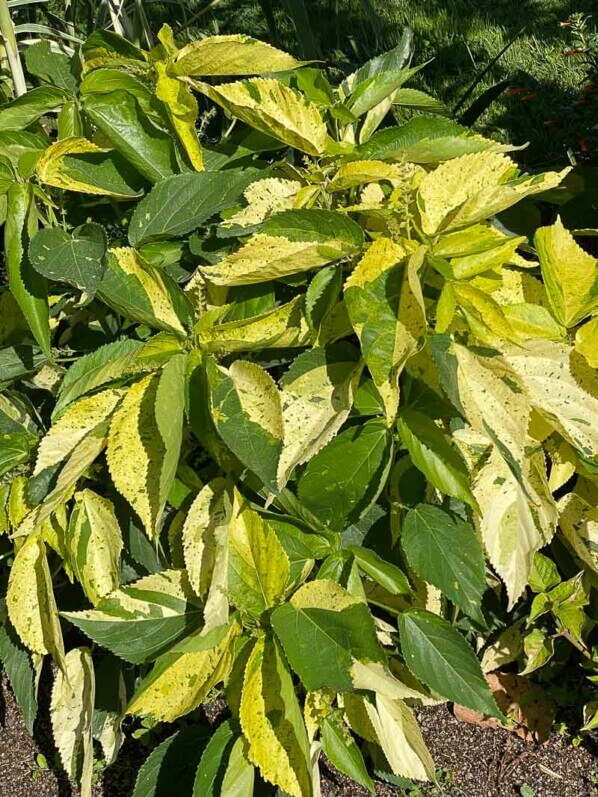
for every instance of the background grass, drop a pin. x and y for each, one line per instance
(461, 36)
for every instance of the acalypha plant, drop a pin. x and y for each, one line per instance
(289, 416)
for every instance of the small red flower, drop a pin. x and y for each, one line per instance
(566, 24)
(573, 51)
(513, 92)
(531, 96)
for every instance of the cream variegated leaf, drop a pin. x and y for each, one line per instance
(205, 547)
(562, 388)
(272, 722)
(264, 197)
(95, 544)
(517, 517)
(30, 601)
(71, 713)
(81, 418)
(399, 736)
(578, 521)
(231, 55)
(471, 188)
(356, 173)
(586, 342)
(316, 396)
(570, 274)
(274, 109)
(182, 678)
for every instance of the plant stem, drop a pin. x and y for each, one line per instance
(7, 31)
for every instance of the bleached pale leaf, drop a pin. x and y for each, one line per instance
(263, 197)
(231, 55)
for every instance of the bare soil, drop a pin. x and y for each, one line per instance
(474, 762)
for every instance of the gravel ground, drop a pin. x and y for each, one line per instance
(477, 762)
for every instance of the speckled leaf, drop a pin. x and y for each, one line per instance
(95, 544)
(316, 396)
(182, 677)
(183, 111)
(30, 601)
(289, 242)
(372, 295)
(71, 713)
(272, 722)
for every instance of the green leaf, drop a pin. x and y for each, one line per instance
(272, 722)
(324, 630)
(344, 479)
(144, 441)
(22, 111)
(387, 574)
(215, 759)
(439, 657)
(27, 286)
(76, 258)
(433, 455)
(339, 746)
(258, 567)
(179, 204)
(289, 242)
(52, 67)
(143, 619)
(17, 361)
(424, 139)
(376, 88)
(145, 146)
(183, 676)
(445, 552)
(21, 674)
(14, 449)
(173, 760)
(247, 413)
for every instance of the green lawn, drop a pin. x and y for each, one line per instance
(461, 36)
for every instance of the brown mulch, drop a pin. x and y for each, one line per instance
(476, 762)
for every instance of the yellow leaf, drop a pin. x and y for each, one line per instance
(182, 677)
(79, 419)
(258, 566)
(272, 723)
(355, 173)
(264, 197)
(485, 317)
(30, 601)
(71, 713)
(570, 274)
(231, 55)
(578, 521)
(275, 109)
(471, 188)
(283, 327)
(182, 110)
(95, 543)
(586, 341)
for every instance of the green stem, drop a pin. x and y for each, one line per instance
(7, 31)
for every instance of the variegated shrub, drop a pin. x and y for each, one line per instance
(288, 412)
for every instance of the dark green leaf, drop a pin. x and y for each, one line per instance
(346, 476)
(214, 761)
(24, 110)
(52, 67)
(445, 552)
(19, 669)
(382, 572)
(340, 747)
(172, 765)
(439, 656)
